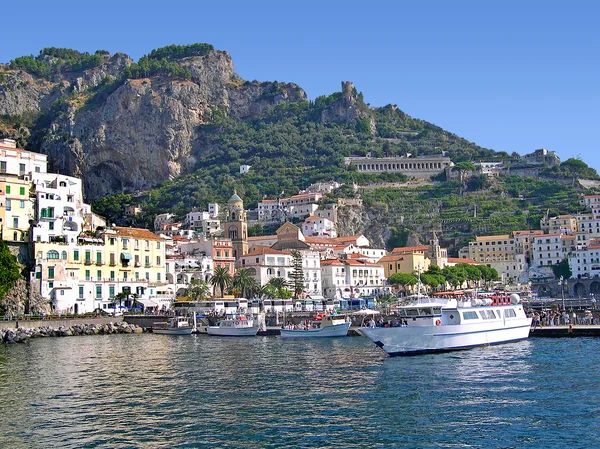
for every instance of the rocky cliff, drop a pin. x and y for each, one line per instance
(140, 131)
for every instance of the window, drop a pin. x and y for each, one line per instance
(51, 226)
(157, 245)
(64, 255)
(16, 223)
(21, 190)
(125, 242)
(81, 292)
(112, 259)
(76, 255)
(157, 260)
(21, 168)
(147, 276)
(137, 275)
(125, 275)
(111, 291)
(99, 258)
(88, 257)
(98, 292)
(147, 261)
(87, 275)
(158, 277)
(22, 204)
(112, 275)
(52, 254)
(470, 315)
(99, 274)
(8, 202)
(510, 313)
(7, 189)
(50, 272)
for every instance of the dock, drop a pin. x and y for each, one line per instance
(575, 330)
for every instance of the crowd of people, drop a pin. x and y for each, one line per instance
(562, 318)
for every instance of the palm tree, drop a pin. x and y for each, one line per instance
(197, 290)
(243, 281)
(221, 278)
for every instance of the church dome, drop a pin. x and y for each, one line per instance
(235, 198)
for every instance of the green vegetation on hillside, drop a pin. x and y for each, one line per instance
(52, 60)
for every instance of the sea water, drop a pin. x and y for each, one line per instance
(159, 391)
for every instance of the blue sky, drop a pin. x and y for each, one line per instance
(509, 75)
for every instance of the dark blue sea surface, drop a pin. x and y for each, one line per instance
(158, 391)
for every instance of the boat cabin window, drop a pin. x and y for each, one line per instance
(470, 315)
(426, 311)
(410, 312)
(510, 313)
(488, 314)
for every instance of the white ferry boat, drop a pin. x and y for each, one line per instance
(325, 326)
(234, 325)
(431, 325)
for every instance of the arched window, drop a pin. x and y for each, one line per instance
(64, 255)
(233, 233)
(52, 254)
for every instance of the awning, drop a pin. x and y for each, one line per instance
(125, 256)
(147, 302)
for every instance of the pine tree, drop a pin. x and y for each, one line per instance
(297, 274)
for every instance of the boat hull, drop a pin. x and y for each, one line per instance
(232, 331)
(415, 340)
(336, 330)
(187, 330)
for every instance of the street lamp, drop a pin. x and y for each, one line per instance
(562, 281)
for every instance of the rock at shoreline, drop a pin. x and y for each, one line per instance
(23, 335)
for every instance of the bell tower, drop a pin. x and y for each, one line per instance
(235, 226)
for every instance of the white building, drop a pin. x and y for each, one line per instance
(60, 211)
(18, 162)
(585, 263)
(264, 263)
(296, 206)
(551, 249)
(213, 209)
(161, 220)
(183, 269)
(244, 169)
(319, 227)
(351, 278)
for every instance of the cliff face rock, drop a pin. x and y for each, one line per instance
(146, 131)
(22, 93)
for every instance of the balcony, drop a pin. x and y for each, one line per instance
(87, 262)
(98, 262)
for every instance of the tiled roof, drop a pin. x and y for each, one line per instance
(391, 258)
(136, 233)
(262, 250)
(461, 260)
(410, 249)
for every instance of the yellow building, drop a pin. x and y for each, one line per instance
(16, 209)
(86, 275)
(405, 260)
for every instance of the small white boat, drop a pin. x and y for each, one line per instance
(234, 325)
(175, 326)
(448, 324)
(326, 326)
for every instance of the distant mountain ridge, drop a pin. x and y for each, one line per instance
(172, 129)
